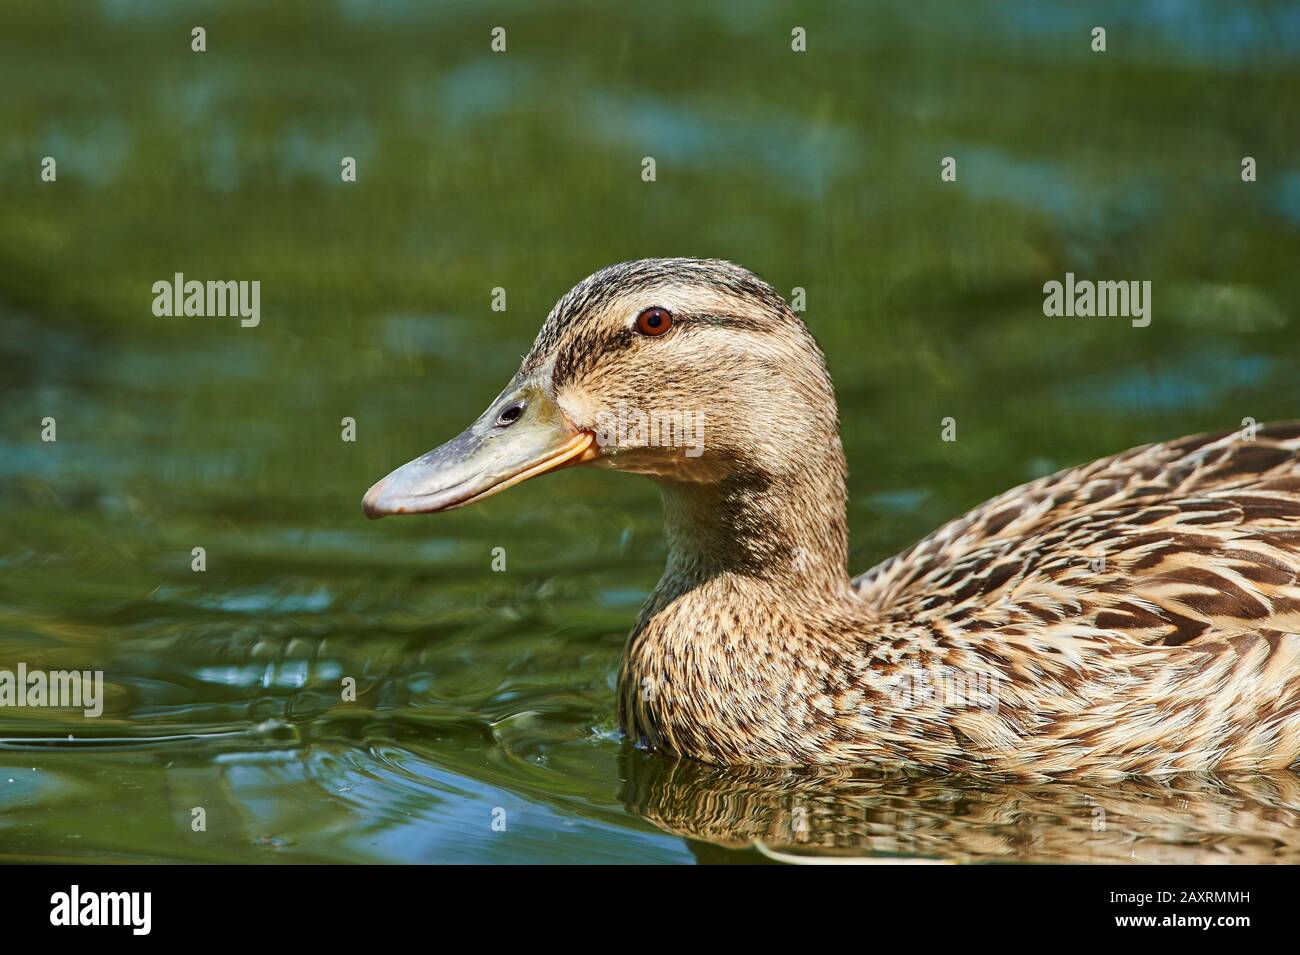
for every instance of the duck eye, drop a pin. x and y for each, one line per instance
(654, 321)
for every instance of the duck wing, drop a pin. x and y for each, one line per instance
(1169, 544)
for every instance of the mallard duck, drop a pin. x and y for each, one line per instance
(1139, 615)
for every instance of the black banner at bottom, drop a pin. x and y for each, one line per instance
(333, 904)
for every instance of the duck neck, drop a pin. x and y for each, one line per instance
(785, 532)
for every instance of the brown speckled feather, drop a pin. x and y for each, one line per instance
(1141, 611)
(1171, 543)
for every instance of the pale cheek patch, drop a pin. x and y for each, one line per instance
(578, 406)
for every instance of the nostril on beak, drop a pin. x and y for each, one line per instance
(511, 413)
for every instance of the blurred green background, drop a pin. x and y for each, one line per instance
(522, 170)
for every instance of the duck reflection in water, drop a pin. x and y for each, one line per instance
(891, 815)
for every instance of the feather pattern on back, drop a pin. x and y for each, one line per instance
(1139, 613)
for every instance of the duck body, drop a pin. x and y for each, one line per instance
(1136, 615)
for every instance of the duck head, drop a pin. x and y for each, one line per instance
(691, 371)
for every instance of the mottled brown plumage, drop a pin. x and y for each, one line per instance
(1135, 615)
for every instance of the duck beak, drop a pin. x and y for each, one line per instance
(492, 454)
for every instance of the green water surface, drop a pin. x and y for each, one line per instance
(485, 696)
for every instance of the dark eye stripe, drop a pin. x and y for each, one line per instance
(586, 350)
(730, 321)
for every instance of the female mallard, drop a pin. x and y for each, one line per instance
(1136, 615)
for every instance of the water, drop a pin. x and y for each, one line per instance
(485, 696)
